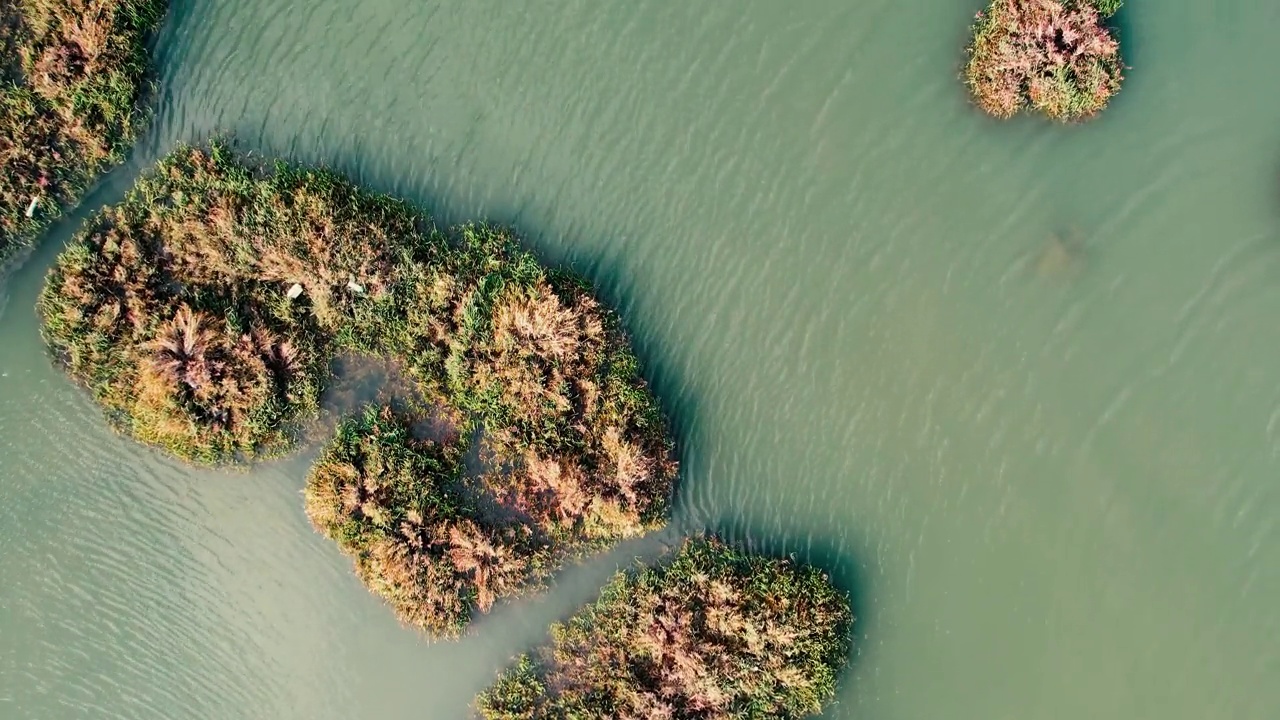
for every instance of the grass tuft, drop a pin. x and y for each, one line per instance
(72, 78)
(1054, 56)
(711, 633)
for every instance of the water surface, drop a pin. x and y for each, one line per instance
(1046, 471)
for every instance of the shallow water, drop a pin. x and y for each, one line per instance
(1047, 473)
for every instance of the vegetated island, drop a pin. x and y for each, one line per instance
(72, 74)
(710, 633)
(1055, 56)
(204, 311)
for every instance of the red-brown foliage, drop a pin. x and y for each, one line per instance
(1056, 56)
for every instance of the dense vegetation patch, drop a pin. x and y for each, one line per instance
(712, 633)
(1055, 56)
(395, 502)
(71, 77)
(205, 310)
(173, 307)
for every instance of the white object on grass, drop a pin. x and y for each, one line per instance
(295, 291)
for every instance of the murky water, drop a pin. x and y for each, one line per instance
(1015, 384)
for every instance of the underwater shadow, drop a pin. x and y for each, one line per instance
(1123, 26)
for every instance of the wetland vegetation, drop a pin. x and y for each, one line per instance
(205, 310)
(72, 80)
(711, 632)
(1057, 57)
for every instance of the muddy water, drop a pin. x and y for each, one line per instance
(1014, 384)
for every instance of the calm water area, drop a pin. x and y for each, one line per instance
(1014, 384)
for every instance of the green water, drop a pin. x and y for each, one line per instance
(1047, 473)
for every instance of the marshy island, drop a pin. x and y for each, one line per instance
(72, 81)
(205, 313)
(205, 310)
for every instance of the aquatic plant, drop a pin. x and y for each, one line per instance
(72, 75)
(711, 632)
(204, 311)
(1055, 56)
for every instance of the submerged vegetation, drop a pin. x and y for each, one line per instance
(205, 310)
(71, 81)
(1054, 56)
(712, 633)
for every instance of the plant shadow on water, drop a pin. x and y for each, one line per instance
(1122, 24)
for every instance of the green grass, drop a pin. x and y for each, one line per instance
(1057, 57)
(174, 309)
(711, 632)
(72, 82)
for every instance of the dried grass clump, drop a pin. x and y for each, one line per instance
(204, 311)
(71, 83)
(713, 633)
(1055, 56)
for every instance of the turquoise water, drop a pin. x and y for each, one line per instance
(1045, 468)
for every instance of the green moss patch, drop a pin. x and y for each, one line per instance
(204, 313)
(711, 633)
(1054, 56)
(71, 79)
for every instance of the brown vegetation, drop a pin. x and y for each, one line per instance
(1055, 56)
(713, 633)
(72, 77)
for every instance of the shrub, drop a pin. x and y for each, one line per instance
(204, 311)
(712, 633)
(71, 83)
(1055, 56)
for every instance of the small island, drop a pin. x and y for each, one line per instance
(711, 632)
(205, 311)
(1054, 56)
(72, 77)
